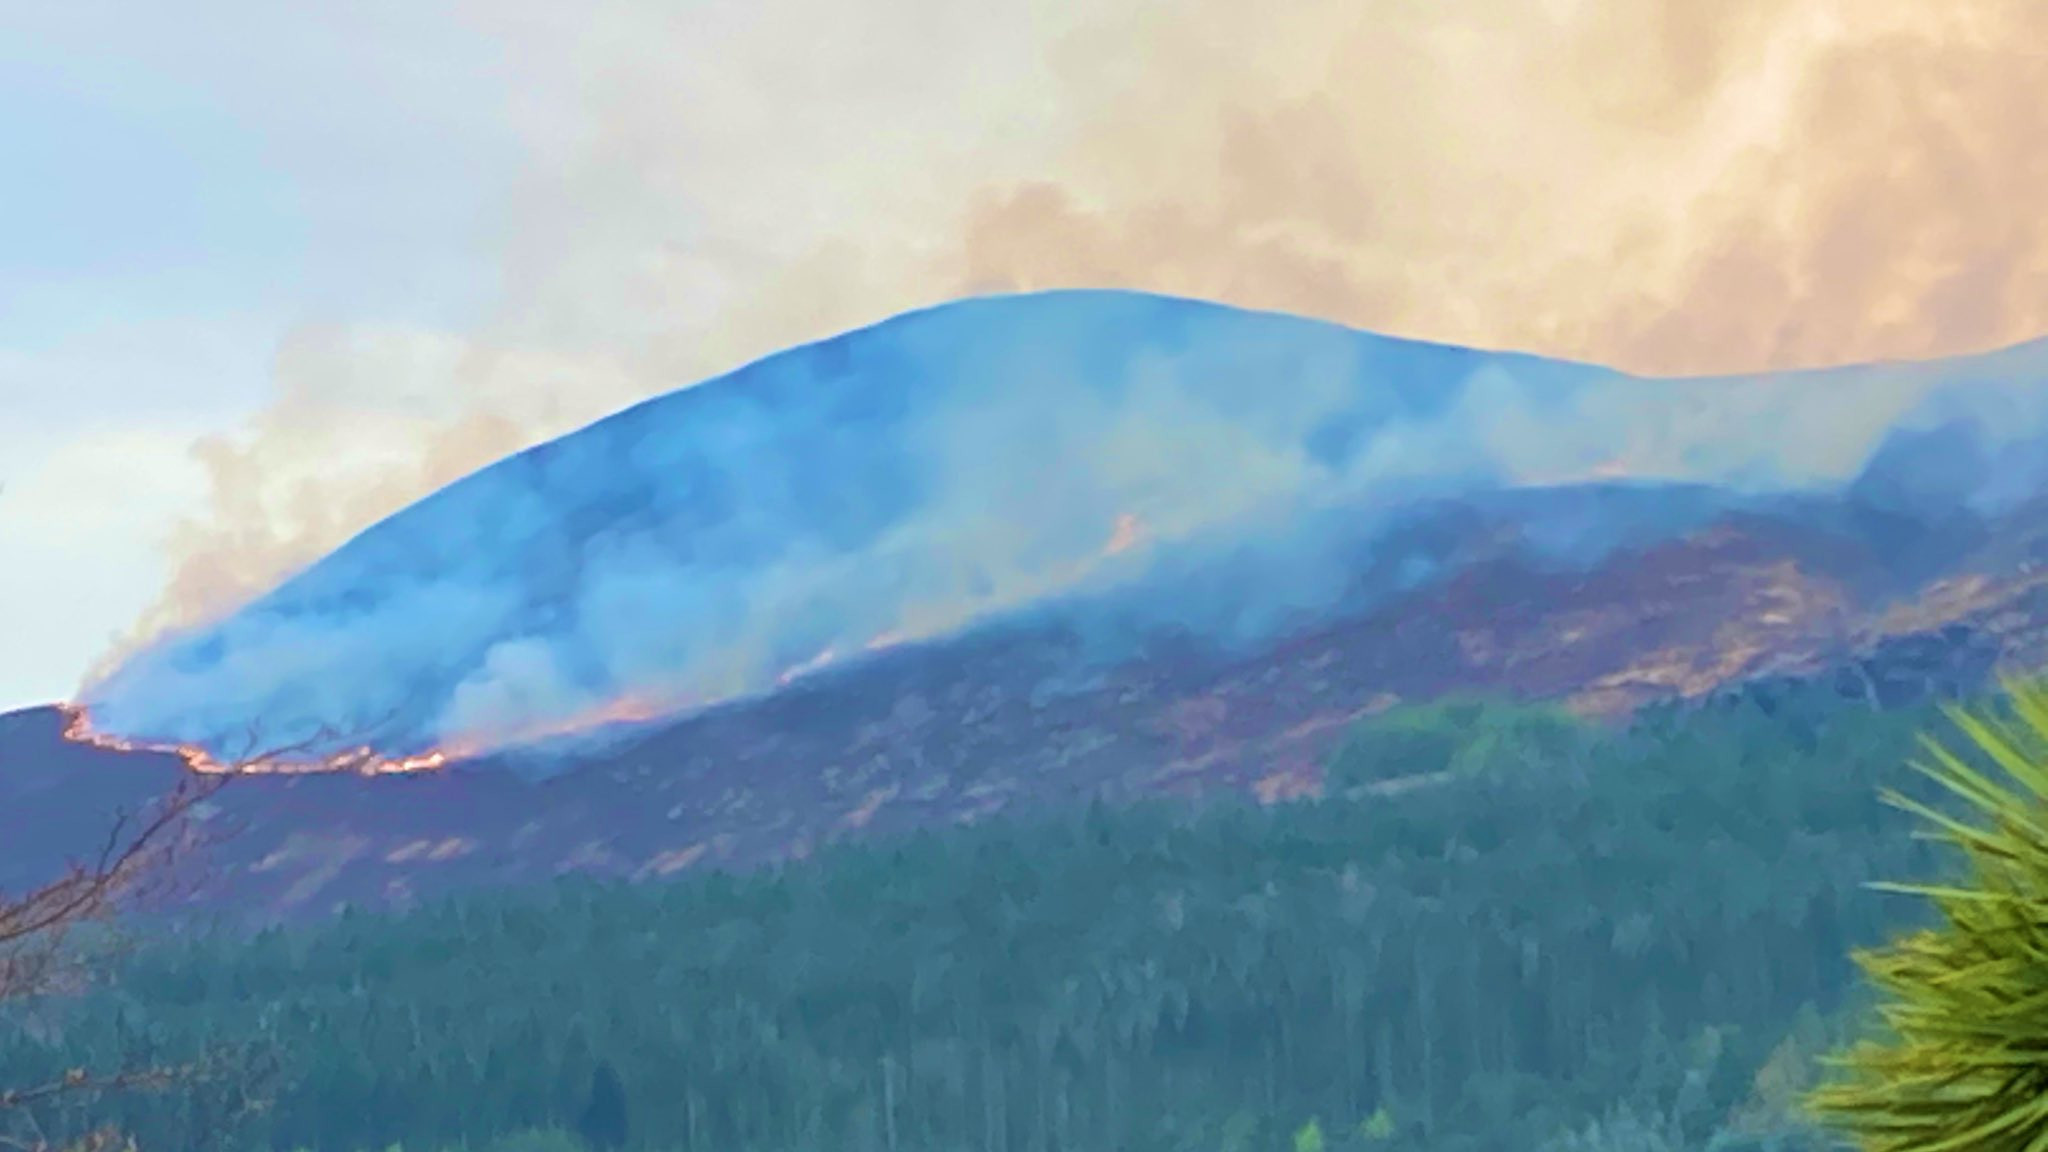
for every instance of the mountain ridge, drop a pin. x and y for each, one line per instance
(966, 729)
(1424, 523)
(1222, 470)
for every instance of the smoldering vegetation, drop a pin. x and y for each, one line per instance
(1132, 462)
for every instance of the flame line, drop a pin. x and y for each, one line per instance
(362, 760)
(1128, 532)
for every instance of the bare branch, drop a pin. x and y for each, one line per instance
(244, 1073)
(140, 859)
(79, 1082)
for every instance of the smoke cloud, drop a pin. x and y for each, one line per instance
(964, 464)
(1665, 186)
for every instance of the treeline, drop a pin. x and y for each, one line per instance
(1500, 931)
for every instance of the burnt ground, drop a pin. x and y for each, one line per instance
(954, 732)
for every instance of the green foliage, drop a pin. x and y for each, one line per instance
(1309, 1137)
(547, 1140)
(1460, 735)
(1240, 1132)
(1775, 1112)
(603, 1124)
(1623, 1130)
(1467, 966)
(1961, 1062)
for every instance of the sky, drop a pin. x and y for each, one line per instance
(269, 272)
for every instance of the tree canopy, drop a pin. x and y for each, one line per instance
(1563, 937)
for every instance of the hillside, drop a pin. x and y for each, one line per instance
(1567, 926)
(1013, 552)
(952, 732)
(1118, 467)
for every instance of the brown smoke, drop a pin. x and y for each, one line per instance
(1677, 187)
(1668, 186)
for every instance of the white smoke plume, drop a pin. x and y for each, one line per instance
(1123, 460)
(1671, 186)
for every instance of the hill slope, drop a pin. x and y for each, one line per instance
(1130, 464)
(954, 731)
(1062, 545)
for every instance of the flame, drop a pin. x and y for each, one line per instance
(822, 659)
(625, 710)
(1129, 532)
(363, 760)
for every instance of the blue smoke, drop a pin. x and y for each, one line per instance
(1173, 463)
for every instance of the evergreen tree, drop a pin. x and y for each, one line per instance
(603, 1122)
(1469, 964)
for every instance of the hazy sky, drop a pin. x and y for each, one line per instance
(270, 270)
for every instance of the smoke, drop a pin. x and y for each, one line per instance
(1667, 186)
(1133, 459)
(1674, 187)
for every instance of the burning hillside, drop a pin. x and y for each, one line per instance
(1120, 465)
(924, 735)
(317, 755)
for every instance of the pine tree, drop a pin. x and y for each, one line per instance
(603, 1123)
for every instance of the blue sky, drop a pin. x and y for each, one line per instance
(270, 271)
(172, 209)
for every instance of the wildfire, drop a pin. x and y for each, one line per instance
(822, 659)
(364, 761)
(1129, 531)
(628, 709)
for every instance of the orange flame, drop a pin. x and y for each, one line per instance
(364, 761)
(629, 709)
(888, 639)
(822, 659)
(1129, 531)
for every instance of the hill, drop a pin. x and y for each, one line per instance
(1119, 466)
(1571, 931)
(1427, 520)
(952, 732)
